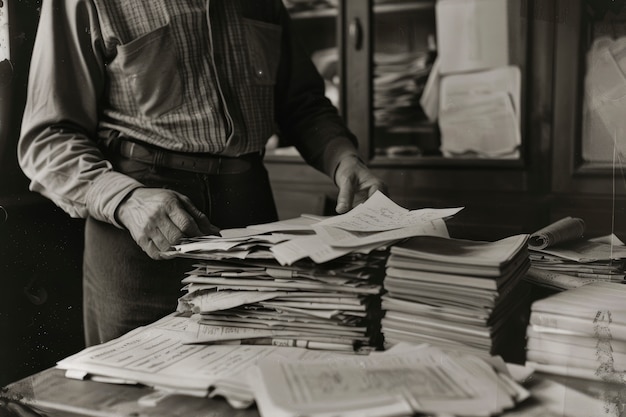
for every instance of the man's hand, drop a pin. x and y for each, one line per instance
(158, 218)
(356, 183)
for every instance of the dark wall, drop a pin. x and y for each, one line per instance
(40, 289)
(40, 246)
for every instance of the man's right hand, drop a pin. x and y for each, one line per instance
(158, 218)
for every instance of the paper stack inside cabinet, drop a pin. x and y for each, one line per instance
(580, 332)
(453, 293)
(399, 80)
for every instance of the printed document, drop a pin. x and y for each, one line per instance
(480, 113)
(155, 356)
(379, 213)
(419, 379)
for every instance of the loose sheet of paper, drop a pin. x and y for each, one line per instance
(479, 38)
(207, 301)
(339, 238)
(379, 213)
(480, 112)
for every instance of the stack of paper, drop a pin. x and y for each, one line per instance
(453, 293)
(580, 332)
(333, 306)
(561, 258)
(310, 281)
(399, 80)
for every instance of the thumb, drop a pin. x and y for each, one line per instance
(201, 219)
(345, 197)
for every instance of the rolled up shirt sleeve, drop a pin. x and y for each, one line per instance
(57, 148)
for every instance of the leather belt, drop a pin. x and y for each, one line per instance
(198, 163)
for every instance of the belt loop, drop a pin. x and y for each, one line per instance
(157, 160)
(111, 144)
(219, 165)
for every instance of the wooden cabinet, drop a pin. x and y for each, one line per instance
(588, 170)
(500, 196)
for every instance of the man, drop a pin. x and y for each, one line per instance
(149, 118)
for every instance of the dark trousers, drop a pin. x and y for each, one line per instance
(124, 288)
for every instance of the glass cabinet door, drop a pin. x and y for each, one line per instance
(447, 80)
(404, 51)
(590, 98)
(604, 86)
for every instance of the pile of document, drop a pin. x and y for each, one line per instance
(454, 293)
(399, 80)
(285, 381)
(562, 258)
(334, 306)
(310, 281)
(580, 332)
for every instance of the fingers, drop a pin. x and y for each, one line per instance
(203, 225)
(163, 243)
(154, 251)
(378, 186)
(345, 198)
(147, 244)
(158, 219)
(356, 184)
(183, 221)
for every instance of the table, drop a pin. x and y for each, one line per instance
(52, 394)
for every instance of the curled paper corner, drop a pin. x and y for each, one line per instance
(564, 230)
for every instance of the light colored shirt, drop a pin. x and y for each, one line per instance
(216, 76)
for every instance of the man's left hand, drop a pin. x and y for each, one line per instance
(356, 183)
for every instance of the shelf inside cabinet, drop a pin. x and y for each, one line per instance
(314, 14)
(400, 162)
(289, 155)
(403, 6)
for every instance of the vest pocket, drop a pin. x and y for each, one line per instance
(150, 69)
(264, 42)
